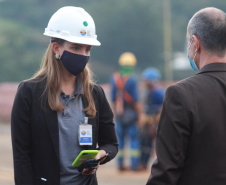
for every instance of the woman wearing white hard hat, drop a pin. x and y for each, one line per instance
(60, 111)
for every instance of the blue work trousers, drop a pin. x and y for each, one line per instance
(132, 132)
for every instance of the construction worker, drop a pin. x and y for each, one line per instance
(126, 107)
(152, 106)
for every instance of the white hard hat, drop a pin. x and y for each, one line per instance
(72, 24)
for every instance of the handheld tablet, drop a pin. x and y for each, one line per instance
(84, 154)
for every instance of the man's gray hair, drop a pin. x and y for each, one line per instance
(211, 30)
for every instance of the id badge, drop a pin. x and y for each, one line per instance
(85, 134)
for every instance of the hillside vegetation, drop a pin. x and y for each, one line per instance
(122, 25)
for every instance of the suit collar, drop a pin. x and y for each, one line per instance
(50, 117)
(213, 67)
(52, 124)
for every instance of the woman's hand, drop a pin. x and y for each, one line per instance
(101, 153)
(85, 170)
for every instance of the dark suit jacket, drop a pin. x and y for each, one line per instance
(191, 136)
(35, 135)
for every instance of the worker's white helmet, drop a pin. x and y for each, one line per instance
(72, 24)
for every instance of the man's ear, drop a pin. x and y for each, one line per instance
(55, 47)
(197, 43)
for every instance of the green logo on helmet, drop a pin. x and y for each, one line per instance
(85, 23)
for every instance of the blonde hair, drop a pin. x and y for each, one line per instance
(50, 71)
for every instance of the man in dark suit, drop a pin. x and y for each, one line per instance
(191, 136)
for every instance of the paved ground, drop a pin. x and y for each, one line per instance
(107, 174)
(6, 167)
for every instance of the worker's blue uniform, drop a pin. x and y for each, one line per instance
(153, 102)
(124, 129)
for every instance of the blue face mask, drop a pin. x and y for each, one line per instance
(192, 62)
(74, 63)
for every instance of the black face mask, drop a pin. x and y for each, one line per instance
(74, 63)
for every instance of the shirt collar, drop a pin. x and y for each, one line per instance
(78, 87)
(213, 67)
